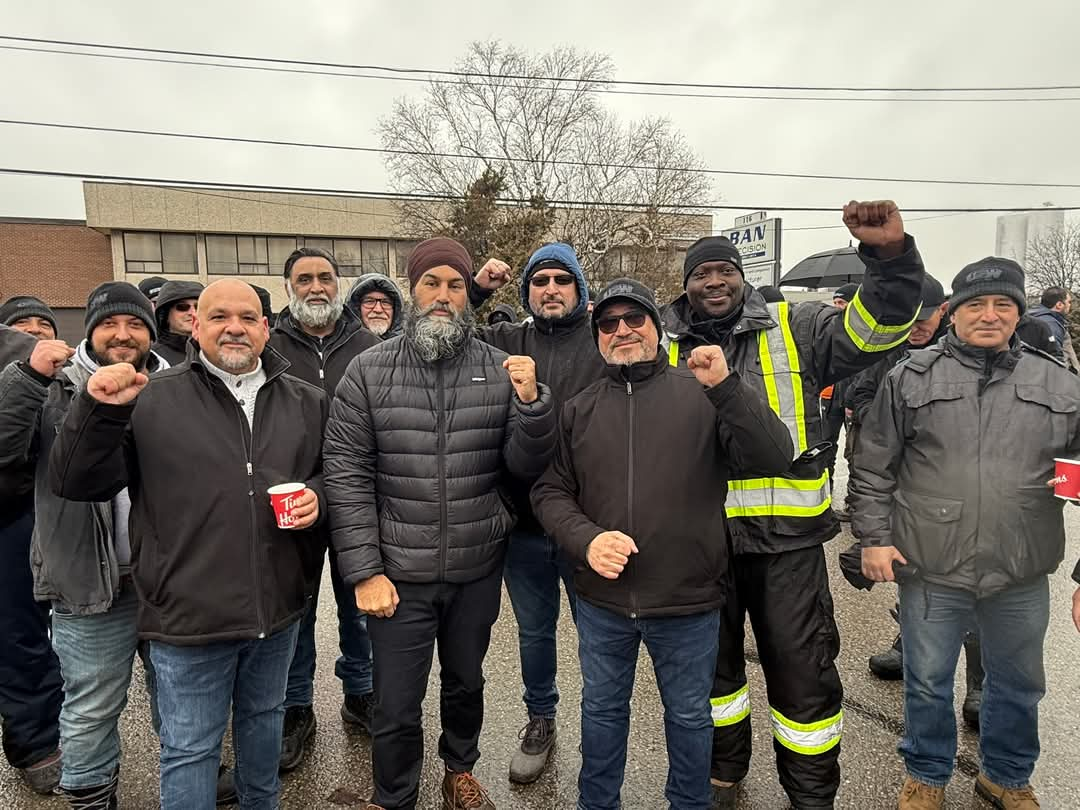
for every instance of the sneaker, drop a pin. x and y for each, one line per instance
(298, 729)
(917, 796)
(226, 786)
(724, 795)
(537, 740)
(1006, 798)
(43, 776)
(357, 711)
(889, 665)
(461, 791)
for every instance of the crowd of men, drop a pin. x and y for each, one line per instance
(668, 468)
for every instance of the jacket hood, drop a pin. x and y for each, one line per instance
(377, 281)
(171, 293)
(507, 310)
(564, 254)
(1044, 312)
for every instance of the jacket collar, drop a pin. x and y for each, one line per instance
(978, 358)
(347, 325)
(273, 363)
(562, 326)
(638, 372)
(174, 340)
(679, 323)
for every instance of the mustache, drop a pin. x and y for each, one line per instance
(437, 307)
(241, 339)
(122, 344)
(629, 340)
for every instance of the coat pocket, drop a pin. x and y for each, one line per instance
(926, 528)
(1057, 412)
(1037, 535)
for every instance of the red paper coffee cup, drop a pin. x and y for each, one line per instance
(1067, 478)
(283, 498)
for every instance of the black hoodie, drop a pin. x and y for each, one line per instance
(172, 345)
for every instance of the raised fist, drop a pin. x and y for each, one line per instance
(523, 376)
(709, 365)
(49, 357)
(877, 224)
(493, 275)
(117, 384)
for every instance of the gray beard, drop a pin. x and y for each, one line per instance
(378, 328)
(437, 338)
(315, 317)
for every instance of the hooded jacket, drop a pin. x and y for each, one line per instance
(16, 479)
(646, 450)
(208, 560)
(172, 345)
(371, 282)
(321, 361)
(947, 472)
(506, 310)
(564, 350)
(788, 353)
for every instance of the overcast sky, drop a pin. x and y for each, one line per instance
(813, 42)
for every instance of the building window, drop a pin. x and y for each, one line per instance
(251, 253)
(248, 255)
(376, 256)
(402, 250)
(151, 252)
(278, 249)
(221, 256)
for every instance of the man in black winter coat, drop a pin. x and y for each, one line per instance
(174, 313)
(634, 495)
(319, 337)
(421, 432)
(560, 340)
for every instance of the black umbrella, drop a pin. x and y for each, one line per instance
(830, 268)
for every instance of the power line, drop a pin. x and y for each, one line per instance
(468, 74)
(504, 159)
(405, 196)
(490, 77)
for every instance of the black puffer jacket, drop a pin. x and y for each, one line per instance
(415, 454)
(648, 451)
(171, 345)
(321, 361)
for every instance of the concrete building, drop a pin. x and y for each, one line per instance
(1016, 231)
(59, 261)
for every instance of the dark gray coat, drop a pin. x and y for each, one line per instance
(414, 457)
(953, 459)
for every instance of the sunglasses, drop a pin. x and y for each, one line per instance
(183, 306)
(543, 281)
(609, 324)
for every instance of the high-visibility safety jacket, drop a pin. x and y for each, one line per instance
(790, 352)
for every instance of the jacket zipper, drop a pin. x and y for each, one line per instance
(440, 429)
(247, 437)
(630, 492)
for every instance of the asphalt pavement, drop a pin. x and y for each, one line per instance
(337, 772)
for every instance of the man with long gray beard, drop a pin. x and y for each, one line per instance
(319, 337)
(420, 433)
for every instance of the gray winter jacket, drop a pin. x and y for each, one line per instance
(414, 457)
(953, 459)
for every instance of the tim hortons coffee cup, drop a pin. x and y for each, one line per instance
(1067, 479)
(283, 498)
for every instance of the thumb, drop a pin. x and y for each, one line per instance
(899, 557)
(629, 541)
(141, 379)
(506, 363)
(394, 595)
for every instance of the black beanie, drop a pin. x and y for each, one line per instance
(710, 249)
(118, 298)
(989, 276)
(626, 289)
(26, 306)
(150, 287)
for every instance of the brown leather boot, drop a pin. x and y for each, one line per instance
(461, 791)
(917, 796)
(1006, 798)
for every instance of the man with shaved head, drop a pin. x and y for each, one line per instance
(221, 585)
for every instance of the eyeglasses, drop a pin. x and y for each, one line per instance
(609, 324)
(183, 306)
(375, 303)
(563, 280)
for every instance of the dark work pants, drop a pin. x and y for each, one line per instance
(791, 610)
(31, 688)
(458, 618)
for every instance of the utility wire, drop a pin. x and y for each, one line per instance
(502, 159)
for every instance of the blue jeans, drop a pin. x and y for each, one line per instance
(353, 666)
(534, 566)
(195, 688)
(683, 651)
(1012, 624)
(96, 653)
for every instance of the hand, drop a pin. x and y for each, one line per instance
(117, 384)
(376, 596)
(49, 357)
(1076, 608)
(877, 224)
(493, 275)
(305, 510)
(877, 562)
(709, 365)
(609, 552)
(523, 376)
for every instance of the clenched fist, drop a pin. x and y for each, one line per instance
(523, 376)
(877, 224)
(709, 365)
(117, 384)
(493, 275)
(49, 357)
(609, 552)
(376, 596)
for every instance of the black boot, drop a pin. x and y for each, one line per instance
(101, 797)
(975, 676)
(889, 665)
